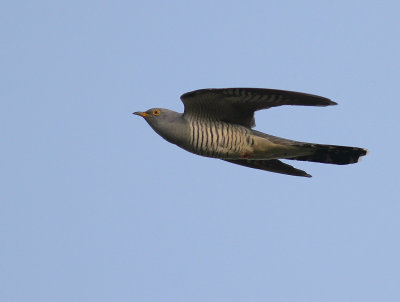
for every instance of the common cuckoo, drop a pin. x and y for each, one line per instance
(218, 123)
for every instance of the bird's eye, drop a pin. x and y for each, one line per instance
(156, 112)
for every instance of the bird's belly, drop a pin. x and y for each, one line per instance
(220, 140)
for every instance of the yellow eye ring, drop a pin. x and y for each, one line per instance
(156, 112)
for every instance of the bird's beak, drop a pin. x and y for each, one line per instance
(142, 114)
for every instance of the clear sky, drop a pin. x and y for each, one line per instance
(95, 206)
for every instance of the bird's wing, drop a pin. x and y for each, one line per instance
(237, 105)
(272, 165)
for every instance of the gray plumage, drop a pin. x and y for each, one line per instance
(218, 123)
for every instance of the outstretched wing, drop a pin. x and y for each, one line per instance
(272, 165)
(237, 105)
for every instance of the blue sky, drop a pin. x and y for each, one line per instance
(97, 207)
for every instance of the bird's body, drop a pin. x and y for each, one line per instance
(217, 123)
(231, 141)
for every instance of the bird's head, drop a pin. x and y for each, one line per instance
(167, 123)
(159, 116)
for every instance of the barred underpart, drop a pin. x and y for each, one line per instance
(212, 138)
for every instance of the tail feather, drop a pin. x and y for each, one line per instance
(331, 154)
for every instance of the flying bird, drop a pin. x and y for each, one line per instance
(218, 123)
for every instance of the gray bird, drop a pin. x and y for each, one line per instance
(218, 123)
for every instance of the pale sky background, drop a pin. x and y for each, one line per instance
(95, 206)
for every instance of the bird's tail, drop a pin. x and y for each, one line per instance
(331, 154)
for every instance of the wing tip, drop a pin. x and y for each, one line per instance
(327, 102)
